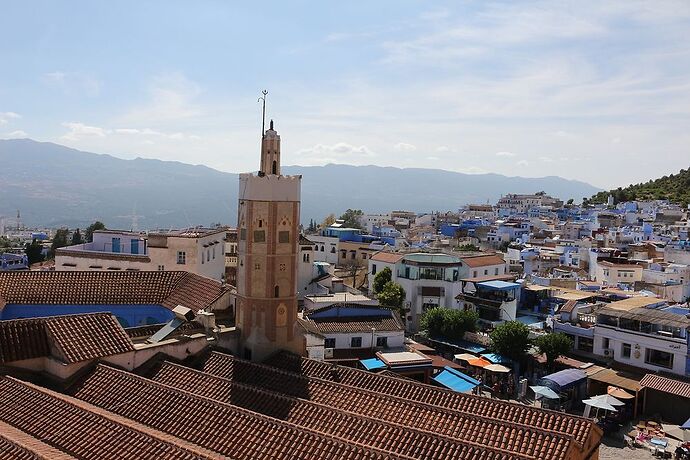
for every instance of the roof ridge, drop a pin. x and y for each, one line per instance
(118, 419)
(101, 367)
(306, 402)
(30, 443)
(408, 402)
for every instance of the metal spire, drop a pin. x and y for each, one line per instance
(263, 112)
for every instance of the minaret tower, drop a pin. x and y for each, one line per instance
(268, 222)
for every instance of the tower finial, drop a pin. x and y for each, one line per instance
(271, 125)
(262, 98)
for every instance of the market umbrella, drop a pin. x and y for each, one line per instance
(608, 399)
(544, 392)
(478, 362)
(465, 357)
(599, 404)
(619, 393)
(496, 368)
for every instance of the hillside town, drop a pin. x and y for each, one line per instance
(528, 319)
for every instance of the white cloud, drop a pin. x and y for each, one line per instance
(5, 117)
(74, 83)
(505, 154)
(78, 131)
(341, 152)
(18, 134)
(404, 147)
(432, 158)
(443, 149)
(546, 159)
(171, 98)
(616, 140)
(523, 163)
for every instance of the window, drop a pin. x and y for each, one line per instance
(329, 343)
(474, 274)
(283, 236)
(208, 255)
(214, 252)
(305, 258)
(585, 344)
(243, 234)
(257, 266)
(353, 255)
(356, 342)
(261, 223)
(134, 246)
(276, 291)
(116, 244)
(333, 250)
(486, 272)
(606, 343)
(322, 248)
(181, 257)
(625, 350)
(496, 271)
(658, 358)
(161, 268)
(382, 342)
(259, 236)
(373, 269)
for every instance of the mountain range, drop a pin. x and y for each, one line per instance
(53, 185)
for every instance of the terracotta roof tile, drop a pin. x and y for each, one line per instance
(225, 429)
(389, 436)
(17, 445)
(356, 324)
(76, 337)
(579, 428)
(165, 288)
(483, 261)
(491, 431)
(667, 385)
(70, 426)
(386, 257)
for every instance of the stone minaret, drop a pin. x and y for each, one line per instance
(268, 221)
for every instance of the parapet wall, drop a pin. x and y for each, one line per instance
(270, 187)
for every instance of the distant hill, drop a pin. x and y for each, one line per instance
(675, 188)
(54, 185)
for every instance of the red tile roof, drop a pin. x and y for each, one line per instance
(483, 426)
(71, 426)
(581, 429)
(343, 425)
(76, 338)
(387, 257)
(356, 324)
(483, 261)
(667, 385)
(122, 287)
(17, 445)
(224, 429)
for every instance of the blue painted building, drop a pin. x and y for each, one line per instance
(10, 261)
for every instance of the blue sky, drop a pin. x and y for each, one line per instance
(594, 91)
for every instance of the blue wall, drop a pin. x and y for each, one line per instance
(127, 315)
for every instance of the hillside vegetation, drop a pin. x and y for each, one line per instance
(675, 188)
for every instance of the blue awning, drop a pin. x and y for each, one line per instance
(457, 381)
(686, 425)
(495, 358)
(372, 364)
(462, 344)
(564, 379)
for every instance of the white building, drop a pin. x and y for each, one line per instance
(326, 248)
(196, 250)
(432, 280)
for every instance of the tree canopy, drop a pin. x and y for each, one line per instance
(381, 279)
(88, 234)
(34, 251)
(511, 339)
(392, 296)
(553, 345)
(448, 323)
(77, 238)
(59, 240)
(328, 221)
(674, 187)
(351, 218)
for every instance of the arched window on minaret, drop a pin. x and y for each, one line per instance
(276, 291)
(275, 167)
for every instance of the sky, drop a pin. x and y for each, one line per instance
(597, 91)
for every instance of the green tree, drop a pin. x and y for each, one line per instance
(88, 234)
(467, 248)
(351, 218)
(511, 339)
(448, 323)
(59, 240)
(392, 296)
(77, 238)
(381, 279)
(553, 346)
(34, 251)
